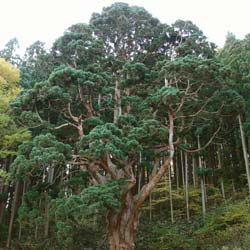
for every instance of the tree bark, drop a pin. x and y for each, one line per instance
(182, 170)
(117, 99)
(221, 179)
(139, 179)
(150, 207)
(20, 223)
(37, 225)
(4, 189)
(51, 170)
(177, 172)
(203, 199)
(194, 173)
(233, 186)
(186, 186)
(170, 195)
(46, 216)
(12, 217)
(122, 225)
(139, 176)
(203, 196)
(244, 148)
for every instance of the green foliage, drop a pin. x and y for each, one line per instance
(11, 136)
(82, 211)
(225, 227)
(3, 175)
(92, 200)
(165, 237)
(201, 171)
(78, 46)
(9, 52)
(120, 25)
(190, 40)
(44, 151)
(163, 95)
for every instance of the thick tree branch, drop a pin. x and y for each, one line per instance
(146, 189)
(93, 168)
(74, 118)
(183, 98)
(206, 145)
(61, 126)
(109, 166)
(39, 117)
(199, 111)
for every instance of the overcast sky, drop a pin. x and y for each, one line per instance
(45, 20)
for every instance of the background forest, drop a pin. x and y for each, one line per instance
(127, 134)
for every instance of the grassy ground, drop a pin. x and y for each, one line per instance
(226, 227)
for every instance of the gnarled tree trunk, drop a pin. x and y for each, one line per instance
(123, 224)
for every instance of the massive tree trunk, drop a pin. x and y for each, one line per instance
(123, 224)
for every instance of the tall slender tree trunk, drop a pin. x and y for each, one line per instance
(3, 189)
(139, 175)
(194, 172)
(37, 225)
(244, 148)
(46, 215)
(139, 179)
(20, 223)
(221, 179)
(203, 197)
(248, 142)
(99, 100)
(170, 195)
(233, 186)
(205, 181)
(186, 187)
(51, 170)
(182, 170)
(177, 172)
(12, 216)
(117, 97)
(222, 189)
(150, 207)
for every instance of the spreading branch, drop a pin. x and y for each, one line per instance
(206, 145)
